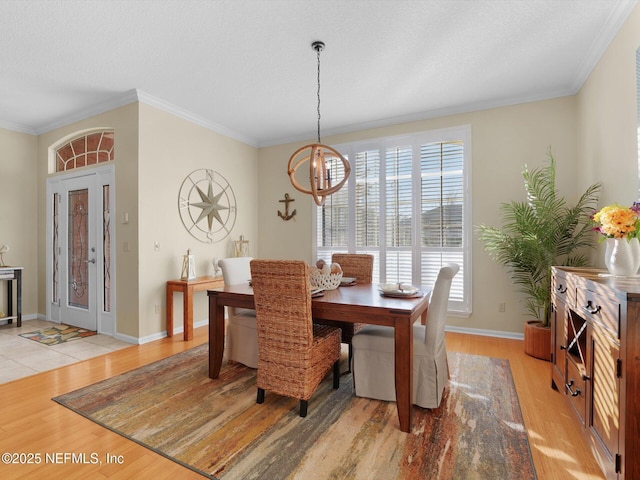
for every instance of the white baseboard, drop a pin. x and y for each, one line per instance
(31, 316)
(179, 330)
(486, 333)
(126, 338)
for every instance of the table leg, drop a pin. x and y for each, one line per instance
(403, 334)
(216, 336)
(169, 311)
(19, 296)
(187, 315)
(10, 299)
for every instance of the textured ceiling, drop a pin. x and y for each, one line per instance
(246, 67)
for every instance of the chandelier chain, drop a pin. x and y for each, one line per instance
(318, 54)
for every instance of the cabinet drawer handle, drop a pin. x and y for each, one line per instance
(573, 393)
(591, 309)
(561, 289)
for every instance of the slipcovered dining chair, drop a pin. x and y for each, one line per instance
(242, 333)
(360, 267)
(373, 352)
(294, 355)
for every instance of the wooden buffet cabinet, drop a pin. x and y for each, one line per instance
(595, 362)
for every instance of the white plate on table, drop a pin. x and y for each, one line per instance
(347, 281)
(317, 292)
(399, 290)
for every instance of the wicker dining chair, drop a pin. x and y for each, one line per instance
(294, 355)
(360, 267)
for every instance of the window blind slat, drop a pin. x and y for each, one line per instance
(367, 178)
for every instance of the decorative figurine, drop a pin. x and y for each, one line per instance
(241, 247)
(3, 249)
(216, 267)
(188, 267)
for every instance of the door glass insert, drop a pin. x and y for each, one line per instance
(55, 281)
(77, 249)
(106, 241)
(90, 149)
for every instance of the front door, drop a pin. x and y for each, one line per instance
(79, 250)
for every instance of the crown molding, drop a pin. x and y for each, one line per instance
(193, 118)
(127, 98)
(610, 29)
(438, 113)
(15, 127)
(90, 111)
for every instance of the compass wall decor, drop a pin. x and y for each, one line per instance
(207, 205)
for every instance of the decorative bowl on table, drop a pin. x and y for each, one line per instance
(327, 281)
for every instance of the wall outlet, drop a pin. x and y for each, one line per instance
(502, 307)
(157, 308)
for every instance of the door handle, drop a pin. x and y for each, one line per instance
(92, 260)
(574, 393)
(590, 308)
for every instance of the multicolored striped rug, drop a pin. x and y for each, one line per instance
(215, 427)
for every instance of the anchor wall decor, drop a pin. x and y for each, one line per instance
(286, 215)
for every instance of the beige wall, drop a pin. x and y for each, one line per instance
(607, 126)
(19, 191)
(124, 121)
(170, 149)
(503, 140)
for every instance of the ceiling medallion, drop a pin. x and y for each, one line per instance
(207, 205)
(320, 157)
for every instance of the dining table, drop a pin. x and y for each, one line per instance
(360, 303)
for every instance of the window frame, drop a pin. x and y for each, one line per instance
(458, 134)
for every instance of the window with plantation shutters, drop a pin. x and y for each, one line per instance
(407, 202)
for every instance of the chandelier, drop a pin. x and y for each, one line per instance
(319, 157)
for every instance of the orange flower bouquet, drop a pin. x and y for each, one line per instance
(616, 221)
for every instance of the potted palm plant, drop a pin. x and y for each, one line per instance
(536, 234)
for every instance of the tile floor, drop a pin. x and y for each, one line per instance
(21, 357)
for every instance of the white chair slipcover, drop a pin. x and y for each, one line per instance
(242, 334)
(373, 352)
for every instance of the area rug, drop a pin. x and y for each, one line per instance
(215, 427)
(58, 334)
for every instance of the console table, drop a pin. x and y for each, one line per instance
(11, 274)
(188, 287)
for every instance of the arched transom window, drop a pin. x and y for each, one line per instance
(89, 149)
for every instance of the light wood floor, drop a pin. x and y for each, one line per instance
(33, 425)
